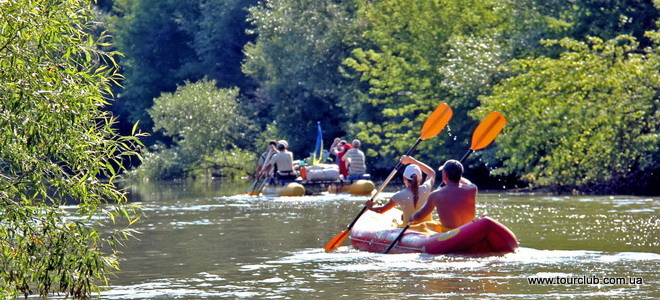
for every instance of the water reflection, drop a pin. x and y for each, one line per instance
(204, 243)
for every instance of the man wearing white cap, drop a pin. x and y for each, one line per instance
(283, 162)
(414, 196)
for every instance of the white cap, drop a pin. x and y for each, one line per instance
(283, 143)
(410, 170)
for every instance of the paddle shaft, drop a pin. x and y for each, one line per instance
(398, 237)
(387, 180)
(251, 190)
(253, 185)
(261, 187)
(463, 159)
(432, 126)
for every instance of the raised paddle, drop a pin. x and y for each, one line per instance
(432, 126)
(485, 133)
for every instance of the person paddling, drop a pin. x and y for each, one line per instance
(415, 194)
(283, 162)
(265, 157)
(455, 202)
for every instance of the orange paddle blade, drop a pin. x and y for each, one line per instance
(487, 130)
(436, 121)
(335, 242)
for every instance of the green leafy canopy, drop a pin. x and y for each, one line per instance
(209, 131)
(57, 143)
(589, 116)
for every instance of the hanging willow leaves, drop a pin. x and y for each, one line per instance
(57, 146)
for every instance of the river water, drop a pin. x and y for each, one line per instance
(207, 241)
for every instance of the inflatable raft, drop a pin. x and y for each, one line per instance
(375, 232)
(291, 189)
(361, 187)
(300, 188)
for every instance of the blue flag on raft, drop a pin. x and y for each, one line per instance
(318, 150)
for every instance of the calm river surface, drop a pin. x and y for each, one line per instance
(206, 241)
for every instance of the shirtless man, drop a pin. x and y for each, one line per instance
(455, 202)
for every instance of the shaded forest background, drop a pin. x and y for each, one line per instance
(210, 81)
(578, 81)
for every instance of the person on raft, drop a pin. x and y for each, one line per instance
(354, 160)
(415, 194)
(338, 149)
(455, 202)
(282, 161)
(265, 157)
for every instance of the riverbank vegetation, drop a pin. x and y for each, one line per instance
(208, 129)
(578, 80)
(58, 146)
(212, 80)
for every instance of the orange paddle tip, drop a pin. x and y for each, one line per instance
(335, 242)
(487, 130)
(438, 119)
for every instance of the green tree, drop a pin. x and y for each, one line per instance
(588, 119)
(219, 34)
(401, 62)
(535, 20)
(209, 131)
(56, 142)
(296, 59)
(168, 42)
(156, 50)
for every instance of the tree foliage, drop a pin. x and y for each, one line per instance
(56, 142)
(367, 69)
(219, 34)
(408, 43)
(588, 117)
(155, 49)
(168, 42)
(296, 58)
(209, 130)
(535, 20)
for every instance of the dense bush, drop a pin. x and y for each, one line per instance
(371, 69)
(585, 118)
(209, 130)
(56, 144)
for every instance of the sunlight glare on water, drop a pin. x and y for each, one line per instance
(213, 243)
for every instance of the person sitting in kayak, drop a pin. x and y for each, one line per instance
(414, 196)
(455, 202)
(282, 162)
(354, 160)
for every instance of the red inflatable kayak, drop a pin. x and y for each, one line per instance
(375, 232)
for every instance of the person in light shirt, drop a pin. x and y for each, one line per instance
(355, 161)
(265, 157)
(282, 161)
(415, 193)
